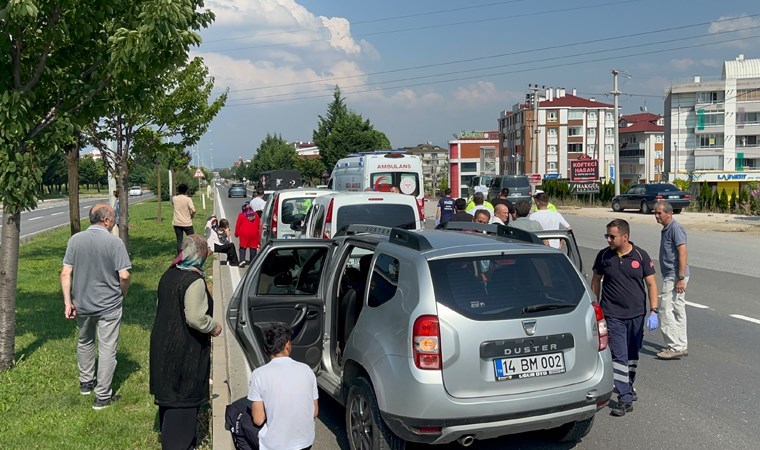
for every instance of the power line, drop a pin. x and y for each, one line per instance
(652, 52)
(498, 66)
(500, 55)
(429, 27)
(382, 19)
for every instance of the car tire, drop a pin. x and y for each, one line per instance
(676, 211)
(573, 431)
(365, 428)
(645, 209)
(616, 206)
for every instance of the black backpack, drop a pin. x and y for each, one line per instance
(238, 420)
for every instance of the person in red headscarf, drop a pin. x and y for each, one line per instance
(248, 231)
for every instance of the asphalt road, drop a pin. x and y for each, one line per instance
(704, 401)
(53, 214)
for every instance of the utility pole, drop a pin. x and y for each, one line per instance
(615, 94)
(534, 148)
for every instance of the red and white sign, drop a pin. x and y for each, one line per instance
(199, 173)
(585, 169)
(534, 179)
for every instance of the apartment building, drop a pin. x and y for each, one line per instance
(568, 127)
(472, 153)
(712, 127)
(641, 148)
(435, 164)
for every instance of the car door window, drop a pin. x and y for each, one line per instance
(291, 272)
(384, 280)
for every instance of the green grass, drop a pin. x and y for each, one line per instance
(40, 404)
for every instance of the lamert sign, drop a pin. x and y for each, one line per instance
(584, 170)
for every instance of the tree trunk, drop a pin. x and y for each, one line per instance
(9, 244)
(72, 165)
(159, 219)
(122, 184)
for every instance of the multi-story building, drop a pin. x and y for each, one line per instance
(568, 127)
(641, 148)
(472, 153)
(712, 127)
(435, 165)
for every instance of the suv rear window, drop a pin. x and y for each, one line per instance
(382, 214)
(406, 182)
(501, 286)
(515, 182)
(294, 209)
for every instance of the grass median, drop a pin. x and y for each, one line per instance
(40, 404)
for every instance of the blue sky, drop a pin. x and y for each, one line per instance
(422, 70)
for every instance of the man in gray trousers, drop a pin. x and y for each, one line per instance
(99, 265)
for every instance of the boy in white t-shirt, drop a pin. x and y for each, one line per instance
(284, 396)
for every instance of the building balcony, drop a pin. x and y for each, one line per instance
(632, 146)
(747, 129)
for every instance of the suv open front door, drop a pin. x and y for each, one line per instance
(568, 245)
(283, 285)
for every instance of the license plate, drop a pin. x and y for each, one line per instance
(529, 366)
(674, 196)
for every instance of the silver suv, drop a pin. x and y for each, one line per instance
(435, 336)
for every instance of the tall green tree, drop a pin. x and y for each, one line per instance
(273, 153)
(58, 59)
(342, 131)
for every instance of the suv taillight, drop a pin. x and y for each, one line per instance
(273, 222)
(421, 207)
(601, 326)
(328, 221)
(426, 343)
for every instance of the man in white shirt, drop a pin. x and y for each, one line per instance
(549, 220)
(257, 203)
(284, 396)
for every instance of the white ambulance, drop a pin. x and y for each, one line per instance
(380, 171)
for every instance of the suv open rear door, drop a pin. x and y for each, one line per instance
(284, 284)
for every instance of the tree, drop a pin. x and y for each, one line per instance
(273, 153)
(59, 59)
(341, 131)
(310, 169)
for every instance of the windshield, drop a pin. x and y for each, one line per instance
(382, 214)
(507, 287)
(405, 182)
(516, 182)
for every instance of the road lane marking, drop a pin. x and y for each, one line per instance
(748, 319)
(697, 305)
(33, 218)
(56, 214)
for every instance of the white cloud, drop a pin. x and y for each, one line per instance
(681, 64)
(710, 62)
(742, 24)
(482, 93)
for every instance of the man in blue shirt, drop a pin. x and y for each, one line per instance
(675, 277)
(445, 208)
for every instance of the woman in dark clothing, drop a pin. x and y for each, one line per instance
(180, 345)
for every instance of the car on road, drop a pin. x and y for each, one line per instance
(519, 187)
(237, 190)
(135, 191)
(644, 196)
(434, 336)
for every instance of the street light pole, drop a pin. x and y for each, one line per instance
(615, 94)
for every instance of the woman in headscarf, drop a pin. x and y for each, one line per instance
(218, 241)
(248, 231)
(180, 344)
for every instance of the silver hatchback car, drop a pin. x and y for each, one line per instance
(435, 336)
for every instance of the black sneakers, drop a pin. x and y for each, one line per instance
(87, 387)
(105, 403)
(620, 409)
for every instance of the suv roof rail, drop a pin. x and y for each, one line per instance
(359, 228)
(410, 239)
(496, 229)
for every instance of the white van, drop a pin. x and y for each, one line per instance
(332, 212)
(380, 171)
(285, 207)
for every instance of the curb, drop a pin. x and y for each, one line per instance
(220, 393)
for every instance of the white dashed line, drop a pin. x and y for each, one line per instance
(33, 218)
(748, 319)
(56, 214)
(697, 305)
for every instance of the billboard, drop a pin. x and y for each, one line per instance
(584, 170)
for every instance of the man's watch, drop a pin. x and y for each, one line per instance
(681, 277)
(655, 310)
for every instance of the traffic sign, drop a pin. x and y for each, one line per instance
(534, 179)
(199, 173)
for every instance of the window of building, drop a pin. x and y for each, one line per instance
(575, 148)
(551, 167)
(711, 140)
(551, 132)
(748, 118)
(575, 131)
(608, 116)
(551, 116)
(707, 97)
(608, 149)
(709, 119)
(552, 150)
(591, 149)
(384, 281)
(592, 115)
(469, 167)
(708, 162)
(609, 132)
(748, 141)
(575, 114)
(748, 95)
(658, 138)
(592, 132)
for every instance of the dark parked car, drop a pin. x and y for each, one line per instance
(644, 196)
(237, 190)
(518, 185)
